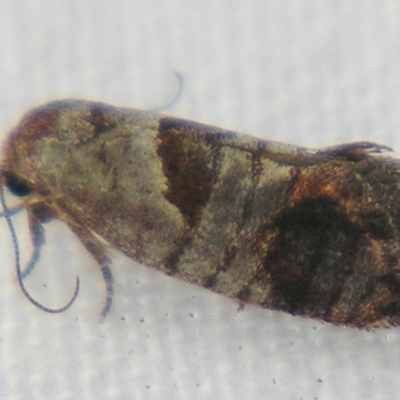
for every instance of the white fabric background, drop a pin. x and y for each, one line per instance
(308, 72)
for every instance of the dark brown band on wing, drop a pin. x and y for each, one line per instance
(189, 166)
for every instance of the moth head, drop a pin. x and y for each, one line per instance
(23, 152)
(35, 149)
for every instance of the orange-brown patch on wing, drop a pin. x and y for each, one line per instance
(336, 182)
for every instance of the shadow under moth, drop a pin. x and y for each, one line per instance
(310, 232)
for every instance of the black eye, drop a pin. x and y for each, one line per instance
(16, 185)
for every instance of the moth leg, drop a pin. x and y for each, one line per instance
(37, 235)
(14, 239)
(353, 151)
(37, 231)
(12, 211)
(98, 250)
(38, 240)
(301, 156)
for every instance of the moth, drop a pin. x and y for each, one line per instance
(310, 232)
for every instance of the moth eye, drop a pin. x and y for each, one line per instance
(16, 185)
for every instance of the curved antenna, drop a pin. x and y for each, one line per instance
(32, 262)
(7, 216)
(178, 93)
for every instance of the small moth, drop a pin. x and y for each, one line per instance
(310, 232)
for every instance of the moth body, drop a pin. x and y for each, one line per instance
(309, 232)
